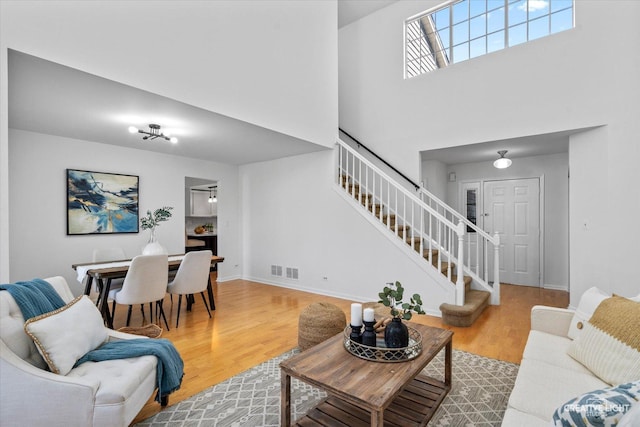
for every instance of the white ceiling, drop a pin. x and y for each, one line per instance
(49, 98)
(351, 10)
(536, 145)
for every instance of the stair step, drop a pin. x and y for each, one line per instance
(366, 198)
(403, 230)
(434, 255)
(465, 315)
(444, 266)
(389, 218)
(374, 206)
(467, 282)
(350, 187)
(414, 242)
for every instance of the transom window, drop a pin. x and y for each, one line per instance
(464, 29)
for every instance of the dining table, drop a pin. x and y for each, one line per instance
(104, 272)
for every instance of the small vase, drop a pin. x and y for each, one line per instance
(396, 334)
(153, 247)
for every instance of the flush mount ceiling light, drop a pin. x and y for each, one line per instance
(502, 162)
(153, 133)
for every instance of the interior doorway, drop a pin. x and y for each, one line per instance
(511, 208)
(201, 214)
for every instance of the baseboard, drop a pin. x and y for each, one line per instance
(556, 287)
(298, 287)
(228, 278)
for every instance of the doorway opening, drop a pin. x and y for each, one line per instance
(201, 214)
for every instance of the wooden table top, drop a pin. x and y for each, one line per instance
(364, 383)
(107, 271)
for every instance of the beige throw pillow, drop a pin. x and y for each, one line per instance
(589, 301)
(609, 344)
(65, 335)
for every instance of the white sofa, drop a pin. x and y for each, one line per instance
(109, 393)
(548, 377)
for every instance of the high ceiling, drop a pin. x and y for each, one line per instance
(351, 10)
(50, 98)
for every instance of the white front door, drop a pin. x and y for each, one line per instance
(512, 209)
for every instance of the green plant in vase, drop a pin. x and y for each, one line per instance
(396, 334)
(150, 222)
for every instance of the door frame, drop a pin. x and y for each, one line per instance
(480, 216)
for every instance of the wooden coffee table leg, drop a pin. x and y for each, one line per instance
(285, 399)
(377, 418)
(447, 364)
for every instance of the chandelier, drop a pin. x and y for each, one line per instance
(153, 133)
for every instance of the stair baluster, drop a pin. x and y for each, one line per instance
(381, 195)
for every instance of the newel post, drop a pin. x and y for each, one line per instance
(495, 295)
(460, 271)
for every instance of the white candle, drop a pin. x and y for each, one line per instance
(356, 314)
(368, 315)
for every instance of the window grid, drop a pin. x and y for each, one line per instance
(465, 29)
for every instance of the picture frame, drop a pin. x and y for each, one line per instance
(102, 203)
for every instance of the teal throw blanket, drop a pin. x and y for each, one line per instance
(34, 297)
(37, 296)
(170, 366)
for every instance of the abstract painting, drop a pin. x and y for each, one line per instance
(101, 203)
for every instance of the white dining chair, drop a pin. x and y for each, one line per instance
(192, 277)
(108, 254)
(105, 255)
(145, 282)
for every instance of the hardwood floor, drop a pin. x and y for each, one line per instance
(254, 322)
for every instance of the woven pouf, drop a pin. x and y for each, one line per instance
(151, 330)
(319, 321)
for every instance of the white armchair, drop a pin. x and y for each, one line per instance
(109, 393)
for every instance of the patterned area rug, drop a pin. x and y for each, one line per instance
(481, 388)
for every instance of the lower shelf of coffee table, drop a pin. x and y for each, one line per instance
(415, 406)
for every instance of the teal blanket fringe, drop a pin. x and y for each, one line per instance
(170, 365)
(34, 297)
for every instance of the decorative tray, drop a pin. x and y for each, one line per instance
(381, 353)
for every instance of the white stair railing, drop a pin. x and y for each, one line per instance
(403, 213)
(425, 223)
(479, 247)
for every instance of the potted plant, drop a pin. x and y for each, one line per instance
(150, 222)
(396, 334)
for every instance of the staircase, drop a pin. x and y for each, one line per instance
(427, 228)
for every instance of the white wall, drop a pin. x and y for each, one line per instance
(434, 178)
(554, 170)
(304, 223)
(271, 63)
(575, 79)
(39, 246)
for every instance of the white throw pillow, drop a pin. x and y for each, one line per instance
(65, 335)
(609, 344)
(587, 305)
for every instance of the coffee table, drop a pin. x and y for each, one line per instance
(362, 392)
